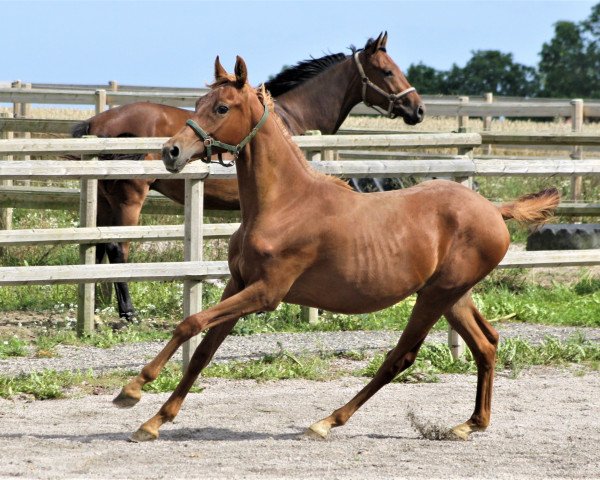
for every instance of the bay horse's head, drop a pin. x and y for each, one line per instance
(222, 122)
(384, 85)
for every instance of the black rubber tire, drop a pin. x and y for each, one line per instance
(565, 237)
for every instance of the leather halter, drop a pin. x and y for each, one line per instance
(209, 141)
(392, 97)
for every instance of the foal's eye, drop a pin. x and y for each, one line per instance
(222, 109)
(388, 73)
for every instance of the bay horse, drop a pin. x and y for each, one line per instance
(297, 243)
(316, 94)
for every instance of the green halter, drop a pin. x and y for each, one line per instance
(209, 141)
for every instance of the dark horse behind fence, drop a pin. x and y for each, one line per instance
(316, 94)
(436, 239)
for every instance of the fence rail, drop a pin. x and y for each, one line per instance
(186, 98)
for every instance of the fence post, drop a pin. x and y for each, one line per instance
(6, 214)
(113, 86)
(310, 315)
(100, 101)
(192, 290)
(577, 153)
(487, 122)
(463, 120)
(88, 205)
(455, 342)
(25, 112)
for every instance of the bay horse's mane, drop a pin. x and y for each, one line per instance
(296, 75)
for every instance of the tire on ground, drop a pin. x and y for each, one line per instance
(565, 237)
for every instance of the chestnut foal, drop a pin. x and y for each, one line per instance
(298, 243)
(316, 94)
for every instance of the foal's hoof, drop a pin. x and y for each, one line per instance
(126, 400)
(462, 431)
(319, 430)
(143, 435)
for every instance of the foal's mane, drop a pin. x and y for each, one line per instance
(296, 75)
(266, 97)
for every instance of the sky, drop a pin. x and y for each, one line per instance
(175, 43)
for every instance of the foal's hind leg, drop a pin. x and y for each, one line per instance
(427, 310)
(482, 340)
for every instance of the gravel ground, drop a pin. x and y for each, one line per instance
(544, 425)
(136, 355)
(544, 422)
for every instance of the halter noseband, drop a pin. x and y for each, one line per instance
(209, 141)
(392, 97)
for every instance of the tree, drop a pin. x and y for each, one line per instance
(496, 72)
(427, 79)
(570, 62)
(486, 71)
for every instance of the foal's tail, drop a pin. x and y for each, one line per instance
(533, 208)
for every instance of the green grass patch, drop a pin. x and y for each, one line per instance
(13, 347)
(513, 354)
(576, 305)
(283, 365)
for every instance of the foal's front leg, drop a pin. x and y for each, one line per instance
(257, 297)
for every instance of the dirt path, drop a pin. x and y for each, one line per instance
(545, 424)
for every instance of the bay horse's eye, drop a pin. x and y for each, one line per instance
(222, 109)
(388, 73)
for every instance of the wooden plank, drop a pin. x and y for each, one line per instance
(55, 198)
(129, 272)
(502, 167)
(37, 125)
(169, 271)
(83, 146)
(582, 139)
(155, 233)
(411, 140)
(61, 169)
(387, 168)
(551, 258)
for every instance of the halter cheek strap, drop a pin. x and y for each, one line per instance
(209, 141)
(392, 97)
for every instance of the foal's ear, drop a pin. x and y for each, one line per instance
(220, 72)
(241, 72)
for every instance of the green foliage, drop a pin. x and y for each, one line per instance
(283, 365)
(512, 354)
(12, 347)
(486, 71)
(168, 379)
(569, 67)
(570, 62)
(43, 385)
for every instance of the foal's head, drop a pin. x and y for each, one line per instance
(224, 115)
(380, 70)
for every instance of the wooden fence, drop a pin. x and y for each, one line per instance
(193, 269)
(460, 106)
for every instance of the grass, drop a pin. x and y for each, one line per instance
(514, 355)
(506, 294)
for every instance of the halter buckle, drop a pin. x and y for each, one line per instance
(208, 142)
